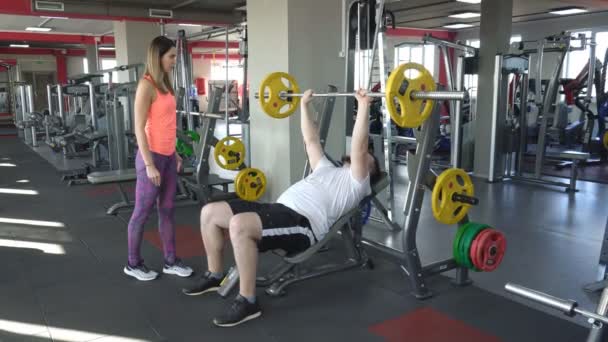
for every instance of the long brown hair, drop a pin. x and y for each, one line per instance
(157, 49)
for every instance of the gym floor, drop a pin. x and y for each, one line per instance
(62, 277)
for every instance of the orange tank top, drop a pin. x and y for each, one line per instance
(161, 123)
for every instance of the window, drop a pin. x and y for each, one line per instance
(363, 61)
(422, 54)
(218, 70)
(601, 38)
(109, 64)
(85, 65)
(576, 60)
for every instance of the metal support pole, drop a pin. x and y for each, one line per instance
(93, 106)
(495, 109)
(388, 143)
(97, 60)
(590, 77)
(47, 119)
(30, 109)
(378, 19)
(523, 124)
(60, 103)
(539, 75)
(416, 191)
(23, 117)
(244, 51)
(449, 75)
(457, 123)
(358, 45)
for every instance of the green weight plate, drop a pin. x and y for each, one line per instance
(467, 240)
(456, 244)
(179, 146)
(194, 136)
(188, 150)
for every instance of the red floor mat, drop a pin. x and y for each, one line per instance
(188, 241)
(429, 325)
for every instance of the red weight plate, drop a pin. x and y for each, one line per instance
(474, 247)
(491, 250)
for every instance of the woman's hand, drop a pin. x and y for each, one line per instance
(153, 174)
(179, 161)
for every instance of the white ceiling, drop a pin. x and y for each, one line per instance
(432, 14)
(88, 27)
(9, 22)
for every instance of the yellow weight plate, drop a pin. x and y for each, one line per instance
(250, 184)
(270, 89)
(411, 112)
(450, 182)
(605, 140)
(229, 153)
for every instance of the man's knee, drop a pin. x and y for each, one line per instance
(243, 226)
(209, 214)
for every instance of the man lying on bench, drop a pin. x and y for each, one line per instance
(301, 216)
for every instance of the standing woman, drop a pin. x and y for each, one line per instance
(156, 162)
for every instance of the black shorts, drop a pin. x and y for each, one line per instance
(282, 227)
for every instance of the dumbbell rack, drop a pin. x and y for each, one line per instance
(409, 258)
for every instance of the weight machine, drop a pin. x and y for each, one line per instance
(509, 138)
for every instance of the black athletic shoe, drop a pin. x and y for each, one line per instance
(239, 312)
(204, 285)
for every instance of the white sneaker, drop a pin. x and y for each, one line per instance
(140, 272)
(178, 268)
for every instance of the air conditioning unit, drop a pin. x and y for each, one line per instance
(160, 13)
(55, 6)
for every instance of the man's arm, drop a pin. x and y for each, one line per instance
(360, 141)
(310, 131)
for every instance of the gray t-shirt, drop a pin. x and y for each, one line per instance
(325, 195)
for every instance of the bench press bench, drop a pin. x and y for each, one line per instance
(576, 157)
(291, 269)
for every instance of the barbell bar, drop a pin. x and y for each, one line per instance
(415, 96)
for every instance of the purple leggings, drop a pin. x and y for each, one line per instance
(146, 194)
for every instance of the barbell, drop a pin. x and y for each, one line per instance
(415, 96)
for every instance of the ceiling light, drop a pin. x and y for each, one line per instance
(194, 25)
(470, 1)
(38, 29)
(465, 15)
(49, 17)
(20, 45)
(109, 48)
(457, 26)
(568, 10)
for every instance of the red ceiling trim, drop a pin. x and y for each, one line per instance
(54, 38)
(53, 52)
(9, 61)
